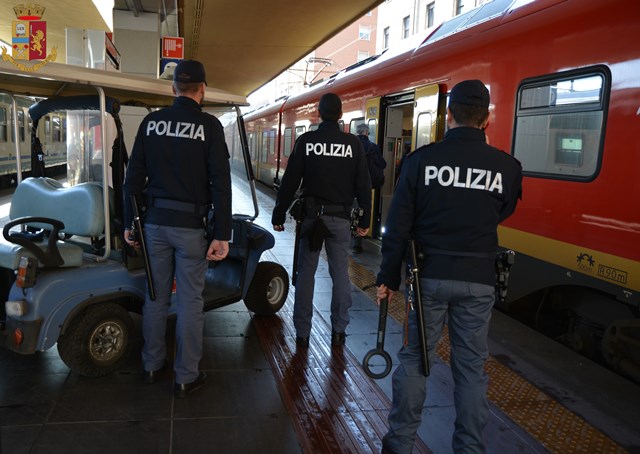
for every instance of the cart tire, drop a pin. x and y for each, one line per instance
(268, 290)
(98, 341)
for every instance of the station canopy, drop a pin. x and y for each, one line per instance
(242, 43)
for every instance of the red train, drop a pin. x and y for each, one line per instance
(564, 77)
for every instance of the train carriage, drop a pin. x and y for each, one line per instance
(564, 101)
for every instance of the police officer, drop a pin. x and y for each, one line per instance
(450, 198)
(330, 167)
(181, 160)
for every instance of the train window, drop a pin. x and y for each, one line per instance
(3, 124)
(252, 145)
(57, 136)
(299, 131)
(63, 129)
(341, 125)
(559, 124)
(21, 131)
(423, 131)
(313, 127)
(287, 141)
(373, 129)
(47, 126)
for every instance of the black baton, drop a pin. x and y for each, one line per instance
(379, 350)
(138, 235)
(296, 247)
(414, 288)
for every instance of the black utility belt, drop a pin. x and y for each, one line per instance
(177, 205)
(313, 208)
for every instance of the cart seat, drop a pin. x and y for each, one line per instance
(43, 203)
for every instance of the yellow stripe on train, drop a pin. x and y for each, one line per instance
(600, 265)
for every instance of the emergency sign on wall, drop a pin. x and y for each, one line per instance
(172, 47)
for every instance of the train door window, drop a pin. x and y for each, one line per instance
(424, 128)
(559, 125)
(341, 125)
(373, 129)
(265, 146)
(313, 127)
(272, 142)
(353, 125)
(3, 124)
(252, 145)
(288, 142)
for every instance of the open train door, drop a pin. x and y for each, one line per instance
(429, 116)
(372, 119)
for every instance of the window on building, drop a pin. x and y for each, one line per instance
(365, 33)
(385, 38)
(406, 29)
(559, 125)
(431, 13)
(363, 55)
(459, 7)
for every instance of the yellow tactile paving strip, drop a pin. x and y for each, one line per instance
(558, 429)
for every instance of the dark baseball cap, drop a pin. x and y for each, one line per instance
(471, 93)
(189, 71)
(330, 105)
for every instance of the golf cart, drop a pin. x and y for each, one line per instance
(66, 276)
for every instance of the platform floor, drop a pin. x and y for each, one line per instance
(263, 395)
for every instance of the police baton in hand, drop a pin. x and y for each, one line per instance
(415, 300)
(138, 235)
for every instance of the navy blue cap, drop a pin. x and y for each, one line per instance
(470, 93)
(330, 105)
(189, 71)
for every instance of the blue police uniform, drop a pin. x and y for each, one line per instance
(181, 160)
(449, 198)
(330, 168)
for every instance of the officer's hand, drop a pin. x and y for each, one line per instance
(218, 250)
(383, 292)
(127, 234)
(361, 231)
(278, 228)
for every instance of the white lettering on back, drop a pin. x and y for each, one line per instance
(183, 130)
(339, 150)
(472, 179)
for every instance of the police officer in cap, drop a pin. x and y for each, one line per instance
(181, 160)
(450, 198)
(329, 166)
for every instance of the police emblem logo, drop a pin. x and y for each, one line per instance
(29, 38)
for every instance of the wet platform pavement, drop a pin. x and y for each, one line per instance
(263, 395)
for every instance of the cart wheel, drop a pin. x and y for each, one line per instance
(268, 290)
(98, 341)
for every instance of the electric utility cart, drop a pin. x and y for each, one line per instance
(66, 276)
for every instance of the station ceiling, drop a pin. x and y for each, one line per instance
(242, 43)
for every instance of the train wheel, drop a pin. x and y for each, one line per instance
(268, 290)
(98, 341)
